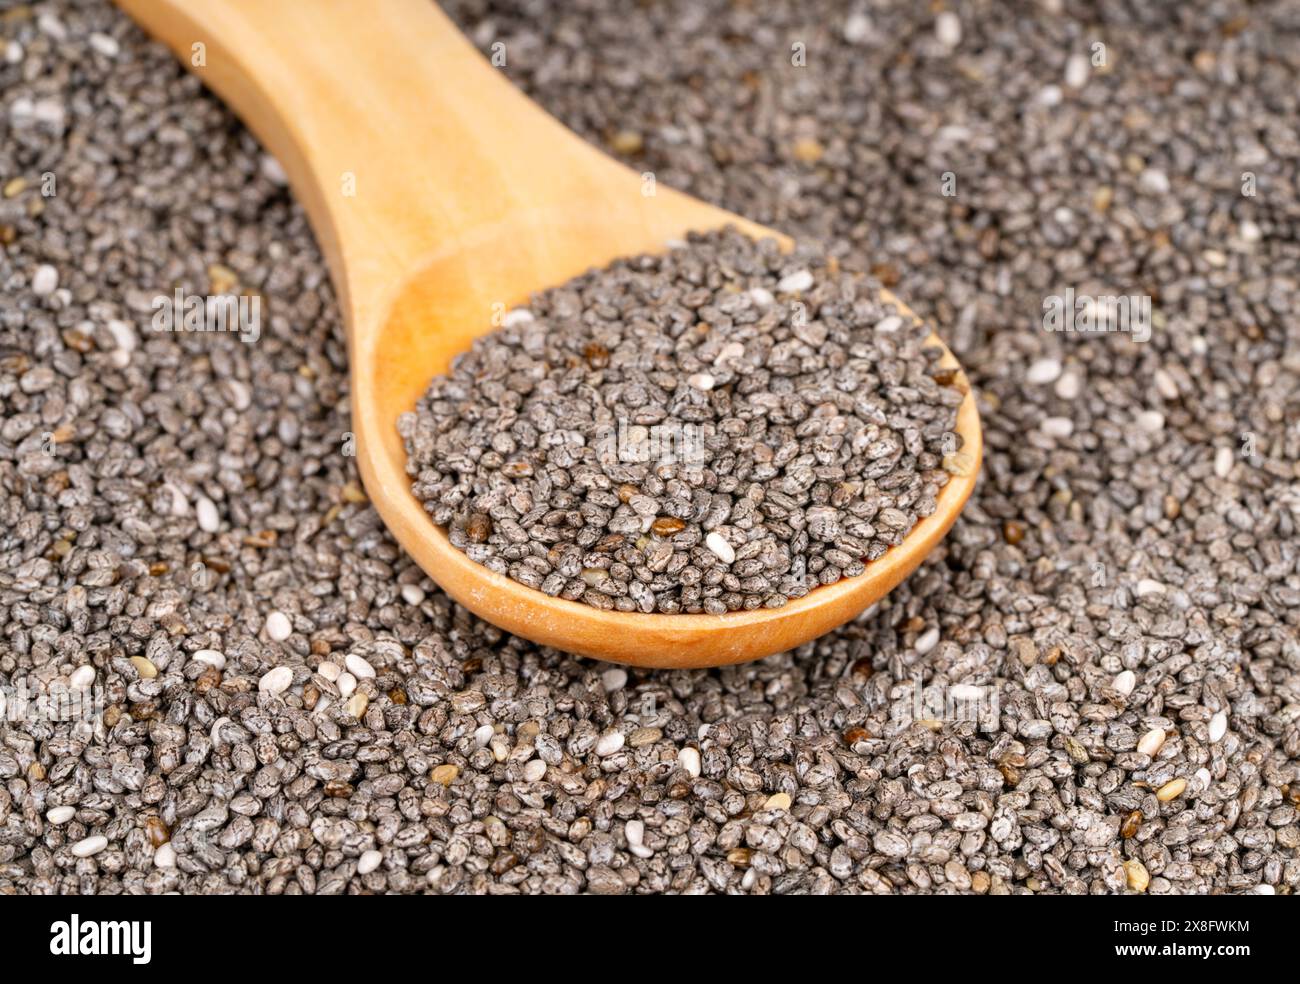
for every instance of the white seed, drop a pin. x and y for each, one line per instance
(1203, 778)
(1051, 95)
(123, 335)
(165, 856)
(720, 547)
(1249, 232)
(1146, 586)
(927, 640)
(81, 678)
(104, 44)
(966, 692)
(1154, 181)
(1263, 889)
(275, 681)
(483, 735)
(732, 350)
(1151, 742)
(346, 683)
(793, 283)
(889, 324)
(14, 53)
(412, 594)
(761, 296)
(89, 846)
(634, 831)
(278, 626)
(1218, 727)
(1076, 71)
(1044, 371)
(519, 316)
(212, 657)
(368, 862)
(1165, 385)
(1069, 385)
(359, 667)
(748, 879)
(1151, 421)
(689, 760)
(209, 518)
(641, 851)
(857, 28)
(1223, 462)
(534, 770)
(613, 679)
(947, 29)
(180, 505)
(273, 170)
(45, 280)
(1125, 681)
(610, 743)
(329, 671)
(777, 801)
(1058, 426)
(701, 381)
(60, 814)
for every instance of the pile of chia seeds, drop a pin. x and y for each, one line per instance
(720, 428)
(1091, 686)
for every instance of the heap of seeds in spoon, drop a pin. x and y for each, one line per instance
(723, 427)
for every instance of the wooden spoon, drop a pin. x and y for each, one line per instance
(441, 195)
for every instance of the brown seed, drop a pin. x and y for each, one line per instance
(1171, 790)
(625, 492)
(144, 667)
(1013, 531)
(157, 831)
(478, 527)
(444, 775)
(337, 789)
(209, 678)
(979, 881)
(78, 341)
(855, 735)
(1135, 873)
(626, 142)
(222, 278)
(667, 526)
(597, 355)
(862, 667)
(679, 790)
(1011, 774)
(888, 274)
(398, 696)
(1131, 824)
(36, 772)
(158, 568)
(808, 150)
(352, 492)
(740, 856)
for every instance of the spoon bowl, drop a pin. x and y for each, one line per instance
(443, 197)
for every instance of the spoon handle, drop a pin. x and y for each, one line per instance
(397, 135)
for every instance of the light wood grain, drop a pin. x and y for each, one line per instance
(467, 199)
